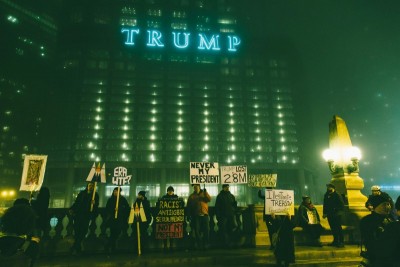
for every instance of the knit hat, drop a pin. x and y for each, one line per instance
(170, 188)
(225, 185)
(142, 193)
(330, 185)
(305, 197)
(378, 199)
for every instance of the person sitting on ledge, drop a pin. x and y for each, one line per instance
(309, 220)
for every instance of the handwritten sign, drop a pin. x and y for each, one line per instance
(262, 180)
(279, 202)
(170, 217)
(234, 174)
(204, 173)
(33, 172)
(121, 176)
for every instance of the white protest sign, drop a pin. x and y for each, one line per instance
(33, 172)
(262, 180)
(121, 176)
(234, 174)
(204, 173)
(279, 202)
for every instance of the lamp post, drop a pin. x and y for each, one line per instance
(343, 162)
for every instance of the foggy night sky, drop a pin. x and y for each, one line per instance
(350, 51)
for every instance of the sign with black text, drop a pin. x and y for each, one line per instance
(234, 174)
(170, 218)
(262, 180)
(204, 173)
(279, 202)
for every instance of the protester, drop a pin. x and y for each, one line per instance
(82, 214)
(197, 208)
(397, 206)
(225, 210)
(116, 218)
(376, 191)
(41, 205)
(309, 220)
(284, 247)
(374, 225)
(333, 209)
(142, 203)
(169, 195)
(18, 245)
(268, 220)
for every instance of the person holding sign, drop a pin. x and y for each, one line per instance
(225, 209)
(333, 208)
(82, 213)
(142, 219)
(170, 195)
(268, 220)
(309, 220)
(284, 242)
(119, 222)
(197, 207)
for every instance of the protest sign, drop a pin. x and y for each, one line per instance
(170, 217)
(204, 173)
(121, 176)
(33, 172)
(279, 202)
(234, 174)
(262, 180)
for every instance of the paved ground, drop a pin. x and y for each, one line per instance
(246, 257)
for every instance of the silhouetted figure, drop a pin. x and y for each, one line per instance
(41, 205)
(82, 215)
(169, 195)
(116, 224)
(18, 245)
(267, 219)
(225, 210)
(309, 220)
(333, 209)
(284, 250)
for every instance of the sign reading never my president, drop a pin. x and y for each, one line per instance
(204, 173)
(169, 218)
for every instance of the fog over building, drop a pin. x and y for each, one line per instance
(152, 85)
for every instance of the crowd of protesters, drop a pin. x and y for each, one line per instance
(23, 225)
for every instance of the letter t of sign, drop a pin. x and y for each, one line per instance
(129, 35)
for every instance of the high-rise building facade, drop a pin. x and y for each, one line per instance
(153, 85)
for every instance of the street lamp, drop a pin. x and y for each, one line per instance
(342, 160)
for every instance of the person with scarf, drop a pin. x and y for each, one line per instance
(309, 220)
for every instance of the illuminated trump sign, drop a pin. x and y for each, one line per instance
(183, 40)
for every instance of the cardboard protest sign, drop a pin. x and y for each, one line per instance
(234, 174)
(170, 218)
(279, 202)
(204, 173)
(97, 174)
(121, 176)
(33, 172)
(262, 180)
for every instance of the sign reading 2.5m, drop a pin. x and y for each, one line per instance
(183, 40)
(234, 174)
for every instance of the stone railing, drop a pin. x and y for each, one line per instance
(58, 240)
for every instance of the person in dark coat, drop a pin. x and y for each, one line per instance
(18, 244)
(284, 250)
(142, 202)
(116, 224)
(309, 220)
(268, 220)
(376, 191)
(41, 205)
(374, 225)
(169, 195)
(225, 210)
(332, 209)
(82, 215)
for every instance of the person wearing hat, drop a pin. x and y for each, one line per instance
(376, 191)
(225, 210)
(309, 220)
(332, 209)
(197, 210)
(374, 225)
(142, 202)
(168, 196)
(116, 223)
